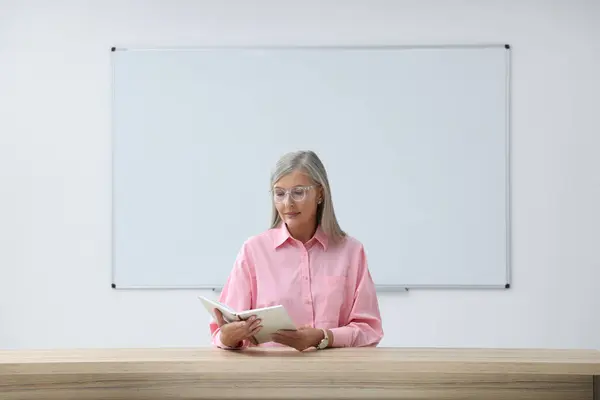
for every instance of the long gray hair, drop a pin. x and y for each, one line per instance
(309, 163)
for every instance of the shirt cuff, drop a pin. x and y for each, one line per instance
(343, 336)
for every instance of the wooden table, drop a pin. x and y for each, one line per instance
(391, 373)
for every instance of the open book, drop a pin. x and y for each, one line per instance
(272, 318)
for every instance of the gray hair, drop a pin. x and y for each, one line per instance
(309, 163)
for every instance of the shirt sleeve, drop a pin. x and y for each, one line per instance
(236, 294)
(364, 327)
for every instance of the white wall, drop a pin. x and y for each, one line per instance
(55, 176)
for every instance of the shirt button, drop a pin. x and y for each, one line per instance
(307, 301)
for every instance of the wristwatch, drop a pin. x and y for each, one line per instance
(324, 342)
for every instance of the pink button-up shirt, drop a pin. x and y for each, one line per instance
(321, 284)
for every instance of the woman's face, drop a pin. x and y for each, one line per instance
(296, 199)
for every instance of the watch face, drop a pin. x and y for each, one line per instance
(323, 343)
(325, 340)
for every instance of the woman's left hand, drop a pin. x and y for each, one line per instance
(301, 339)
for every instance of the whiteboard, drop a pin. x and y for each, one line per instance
(415, 141)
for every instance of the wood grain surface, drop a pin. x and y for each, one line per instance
(207, 373)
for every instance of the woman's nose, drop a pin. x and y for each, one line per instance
(287, 200)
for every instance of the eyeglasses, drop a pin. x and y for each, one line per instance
(297, 193)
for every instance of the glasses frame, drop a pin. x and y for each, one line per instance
(288, 193)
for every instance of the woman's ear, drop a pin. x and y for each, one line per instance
(320, 195)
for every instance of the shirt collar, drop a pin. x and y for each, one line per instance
(282, 235)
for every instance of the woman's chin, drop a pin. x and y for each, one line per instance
(293, 222)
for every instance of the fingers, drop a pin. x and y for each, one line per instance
(251, 327)
(289, 334)
(220, 320)
(286, 341)
(278, 338)
(240, 330)
(254, 330)
(252, 323)
(282, 337)
(292, 338)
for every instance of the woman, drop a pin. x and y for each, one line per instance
(306, 263)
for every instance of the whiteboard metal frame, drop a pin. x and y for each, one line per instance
(379, 288)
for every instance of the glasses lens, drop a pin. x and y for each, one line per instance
(298, 194)
(278, 195)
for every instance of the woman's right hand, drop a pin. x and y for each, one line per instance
(233, 333)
